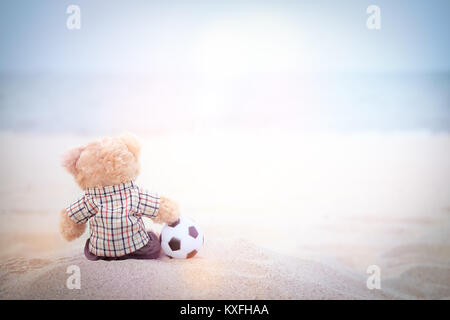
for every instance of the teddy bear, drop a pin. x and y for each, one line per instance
(113, 203)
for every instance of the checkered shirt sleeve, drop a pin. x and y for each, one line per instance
(81, 210)
(148, 203)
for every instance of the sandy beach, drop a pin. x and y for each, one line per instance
(285, 216)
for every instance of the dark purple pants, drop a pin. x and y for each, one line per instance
(149, 251)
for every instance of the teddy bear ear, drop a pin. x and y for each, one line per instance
(70, 158)
(132, 143)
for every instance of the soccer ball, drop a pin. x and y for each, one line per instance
(181, 239)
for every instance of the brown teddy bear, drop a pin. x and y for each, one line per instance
(112, 203)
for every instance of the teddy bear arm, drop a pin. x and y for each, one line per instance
(68, 228)
(169, 211)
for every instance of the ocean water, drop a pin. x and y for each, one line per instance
(88, 103)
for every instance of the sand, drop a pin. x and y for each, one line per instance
(285, 216)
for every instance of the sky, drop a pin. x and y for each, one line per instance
(224, 37)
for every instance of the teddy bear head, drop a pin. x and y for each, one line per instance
(109, 161)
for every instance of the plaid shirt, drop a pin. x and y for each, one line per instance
(115, 217)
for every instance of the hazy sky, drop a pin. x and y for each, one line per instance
(224, 36)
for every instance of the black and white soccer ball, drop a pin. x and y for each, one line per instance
(181, 239)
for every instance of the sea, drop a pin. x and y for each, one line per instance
(107, 103)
